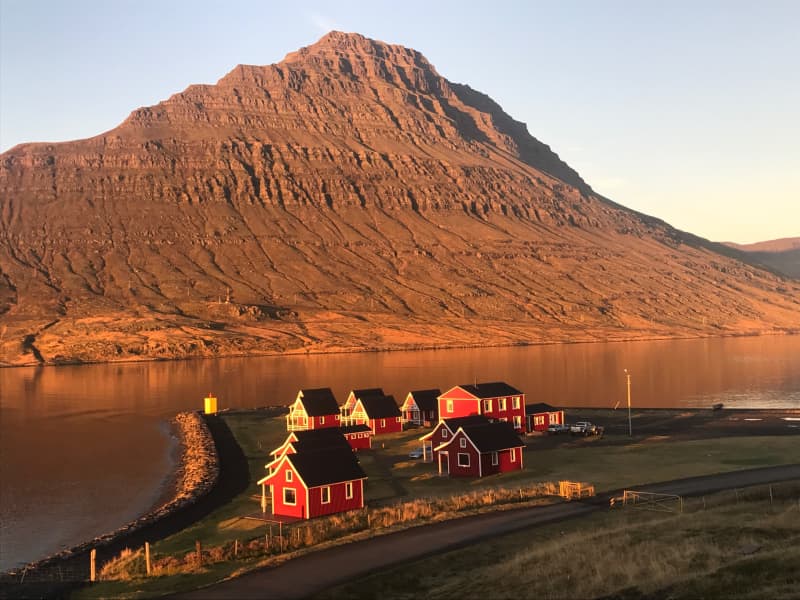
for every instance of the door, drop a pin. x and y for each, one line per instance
(444, 464)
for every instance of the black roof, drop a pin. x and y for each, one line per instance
(541, 407)
(355, 428)
(491, 437)
(494, 389)
(427, 399)
(319, 402)
(471, 420)
(324, 467)
(380, 407)
(366, 392)
(329, 437)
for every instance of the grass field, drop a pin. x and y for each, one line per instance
(608, 463)
(741, 546)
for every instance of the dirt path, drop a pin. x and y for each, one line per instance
(317, 571)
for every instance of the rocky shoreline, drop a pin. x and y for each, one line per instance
(197, 473)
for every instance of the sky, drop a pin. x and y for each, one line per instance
(688, 111)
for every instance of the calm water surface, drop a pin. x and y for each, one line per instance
(85, 449)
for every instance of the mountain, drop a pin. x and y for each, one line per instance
(781, 255)
(346, 198)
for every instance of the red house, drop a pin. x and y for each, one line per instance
(540, 416)
(350, 403)
(358, 436)
(481, 450)
(497, 401)
(421, 407)
(313, 409)
(315, 483)
(444, 431)
(380, 413)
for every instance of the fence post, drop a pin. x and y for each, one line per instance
(236, 548)
(770, 494)
(199, 549)
(93, 565)
(147, 558)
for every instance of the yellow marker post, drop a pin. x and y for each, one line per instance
(211, 404)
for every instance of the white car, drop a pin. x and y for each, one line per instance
(415, 453)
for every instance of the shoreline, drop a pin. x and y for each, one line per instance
(195, 473)
(420, 348)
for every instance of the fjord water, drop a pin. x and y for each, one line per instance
(85, 449)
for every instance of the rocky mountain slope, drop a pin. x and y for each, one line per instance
(781, 255)
(346, 198)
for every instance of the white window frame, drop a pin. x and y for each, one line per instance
(501, 404)
(322, 420)
(458, 460)
(348, 490)
(322, 494)
(487, 405)
(445, 433)
(286, 499)
(515, 402)
(462, 442)
(383, 422)
(513, 455)
(495, 459)
(517, 421)
(397, 419)
(289, 475)
(449, 406)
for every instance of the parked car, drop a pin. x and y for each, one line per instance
(584, 428)
(557, 428)
(415, 453)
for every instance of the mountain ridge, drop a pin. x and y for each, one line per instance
(346, 198)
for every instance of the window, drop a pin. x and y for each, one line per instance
(336, 417)
(463, 459)
(397, 419)
(487, 405)
(289, 476)
(501, 404)
(495, 459)
(445, 433)
(517, 422)
(513, 455)
(326, 494)
(289, 496)
(348, 490)
(322, 420)
(383, 422)
(462, 442)
(515, 402)
(449, 406)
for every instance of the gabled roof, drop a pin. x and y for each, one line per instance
(310, 439)
(366, 392)
(492, 437)
(319, 402)
(493, 389)
(426, 399)
(380, 407)
(541, 407)
(324, 467)
(355, 429)
(456, 422)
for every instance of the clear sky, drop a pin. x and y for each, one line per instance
(685, 110)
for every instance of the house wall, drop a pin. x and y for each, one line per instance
(360, 440)
(463, 404)
(547, 419)
(277, 484)
(338, 500)
(454, 449)
(436, 438)
(324, 421)
(494, 411)
(387, 425)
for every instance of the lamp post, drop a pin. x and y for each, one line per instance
(630, 426)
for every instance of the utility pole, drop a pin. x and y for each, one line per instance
(630, 426)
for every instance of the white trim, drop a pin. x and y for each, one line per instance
(458, 459)
(462, 443)
(348, 490)
(322, 491)
(285, 500)
(446, 455)
(289, 476)
(513, 455)
(495, 458)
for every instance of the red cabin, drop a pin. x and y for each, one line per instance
(421, 407)
(312, 484)
(380, 413)
(313, 409)
(346, 409)
(497, 401)
(444, 431)
(358, 436)
(310, 440)
(481, 450)
(540, 416)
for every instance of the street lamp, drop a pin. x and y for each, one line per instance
(630, 426)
